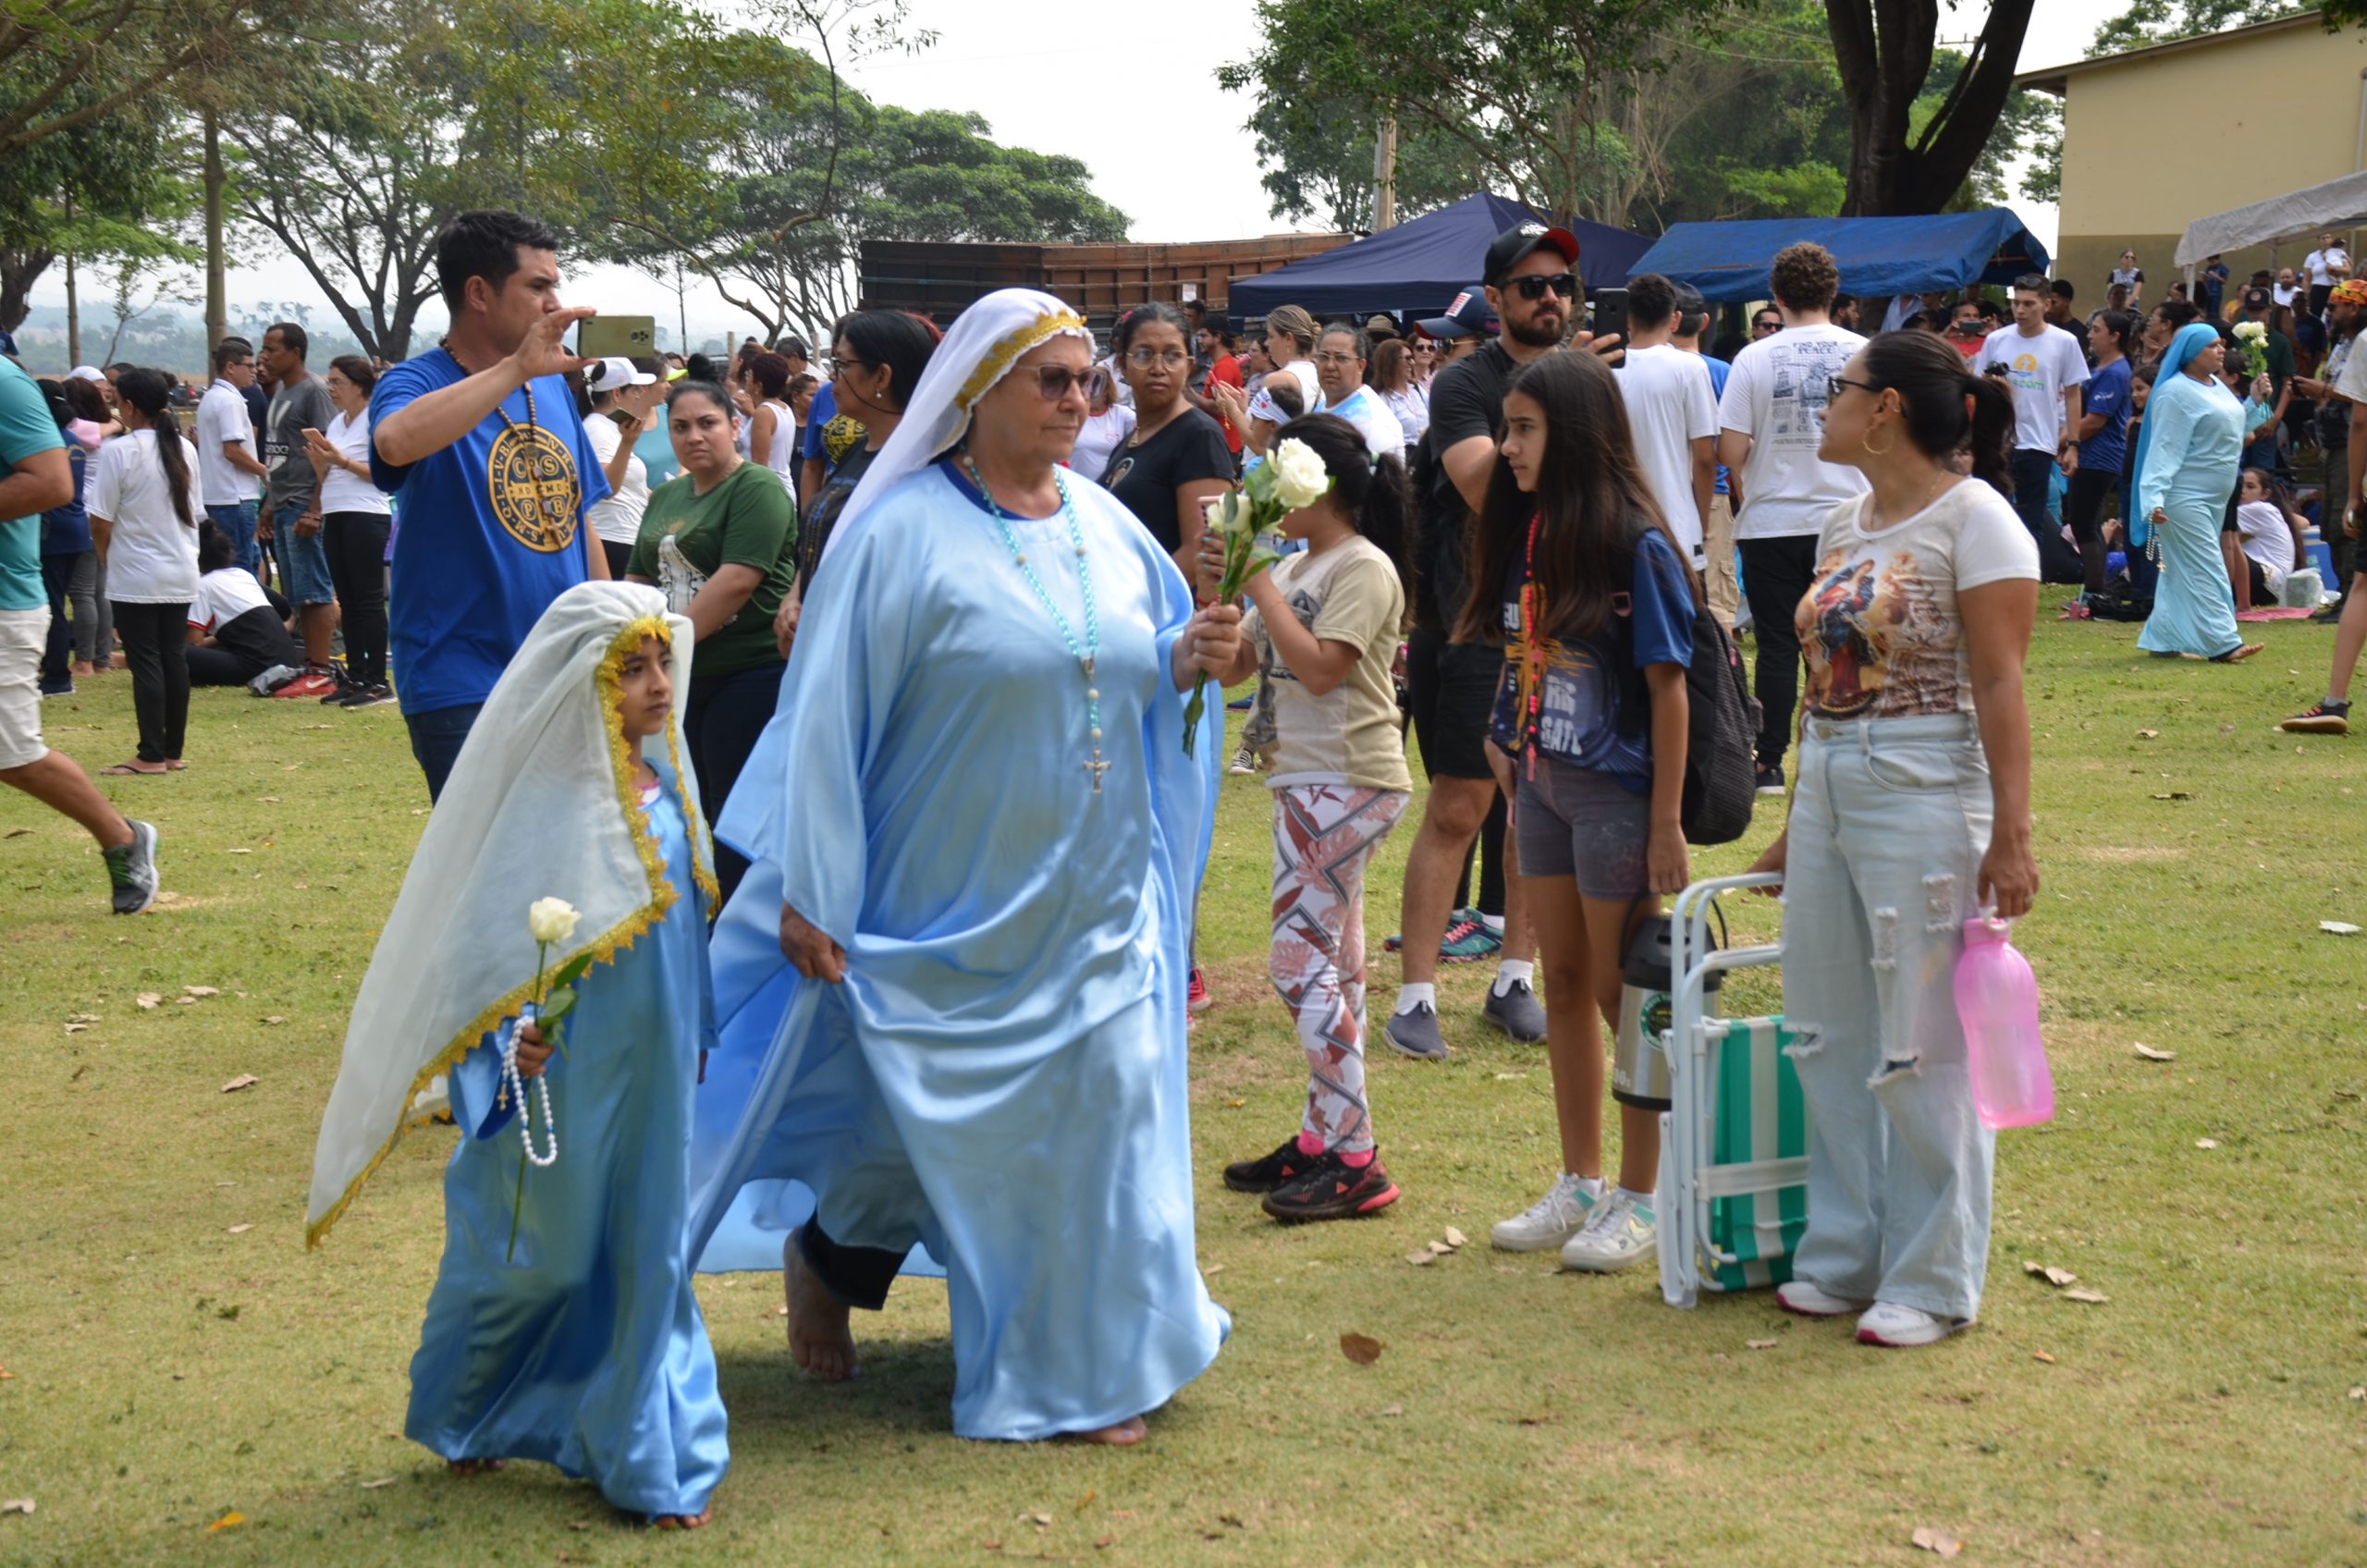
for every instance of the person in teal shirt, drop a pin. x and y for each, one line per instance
(35, 475)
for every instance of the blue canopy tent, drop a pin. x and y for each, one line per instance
(1415, 268)
(1877, 256)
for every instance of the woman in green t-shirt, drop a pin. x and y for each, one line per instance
(721, 539)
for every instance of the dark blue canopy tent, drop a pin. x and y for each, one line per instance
(1415, 268)
(1877, 256)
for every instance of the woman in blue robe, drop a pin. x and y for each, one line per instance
(2189, 452)
(976, 837)
(562, 1327)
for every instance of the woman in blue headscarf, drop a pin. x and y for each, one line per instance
(2188, 451)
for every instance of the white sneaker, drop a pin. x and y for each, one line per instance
(1620, 1232)
(1244, 761)
(1805, 1300)
(1903, 1327)
(1551, 1221)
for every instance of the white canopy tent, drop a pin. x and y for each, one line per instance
(2337, 204)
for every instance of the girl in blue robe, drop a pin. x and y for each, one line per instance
(562, 1327)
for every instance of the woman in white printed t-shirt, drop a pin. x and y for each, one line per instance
(143, 522)
(1911, 815)
(355, 523)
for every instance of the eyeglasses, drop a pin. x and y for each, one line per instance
(1565, 284)
(1338, 359)
(1052, 382)
(1843, 384)
(1143, 358)
(841, 363)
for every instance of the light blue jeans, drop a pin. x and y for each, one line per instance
(1889, 818)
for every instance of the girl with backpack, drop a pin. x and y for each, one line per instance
(1911, 814)
(1596, 612)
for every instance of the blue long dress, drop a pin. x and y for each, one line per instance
(2194, 447)
(587, 1352)
(1002, 1074)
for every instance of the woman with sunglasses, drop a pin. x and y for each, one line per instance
(1911, 815)
(977, 838)
(1175, 461)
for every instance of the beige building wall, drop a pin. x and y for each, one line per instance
(2156, 138)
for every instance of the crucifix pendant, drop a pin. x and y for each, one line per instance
(1097, 767)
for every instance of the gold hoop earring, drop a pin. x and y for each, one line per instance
(1867, 441)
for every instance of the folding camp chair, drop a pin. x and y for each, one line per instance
(1734, 1143)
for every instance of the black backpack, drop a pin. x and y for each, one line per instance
(1722, 734)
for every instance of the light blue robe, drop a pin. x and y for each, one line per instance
(2193, 451)
(588, 1351)
(1002, 1074)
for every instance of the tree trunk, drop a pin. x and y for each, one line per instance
(1882, 50)
(217, 290)
(18, 271)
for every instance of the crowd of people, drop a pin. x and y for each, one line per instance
(902, 1013)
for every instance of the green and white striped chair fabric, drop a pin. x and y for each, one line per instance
(1755, 1180)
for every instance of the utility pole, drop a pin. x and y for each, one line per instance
(73, 296)
(1384, 174)
(217, 290)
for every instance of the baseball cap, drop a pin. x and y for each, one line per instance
(85, 372)
(1513, 246)
(1468, 315)
(2258, 299)
(614, 373)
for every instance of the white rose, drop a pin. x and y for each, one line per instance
(2250, 331)
(552, 920)
(1300, 478)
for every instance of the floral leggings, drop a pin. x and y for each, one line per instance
(1324, 834)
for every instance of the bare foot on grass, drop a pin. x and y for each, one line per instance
(465, 1468)
(819, 1339)
(1125, 1434)
(683, 1521)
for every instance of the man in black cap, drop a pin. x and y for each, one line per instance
(1532, 287)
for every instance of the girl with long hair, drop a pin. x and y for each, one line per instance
(772, 430)
(2265, 543)
(144, 523)
(1580, 579)
(1322, 634)
(1911, 815)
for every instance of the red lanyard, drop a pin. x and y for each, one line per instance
(1530, 666)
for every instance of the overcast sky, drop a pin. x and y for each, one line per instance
(1164, 142)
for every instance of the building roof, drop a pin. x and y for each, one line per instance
(2056, 78)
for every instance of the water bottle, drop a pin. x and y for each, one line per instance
(1997, 1001)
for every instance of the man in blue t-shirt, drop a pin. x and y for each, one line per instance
(35, 474)
(479, 442)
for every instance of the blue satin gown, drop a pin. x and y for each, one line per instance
(587, 1350)
(2192, 459)
(1002, 1074)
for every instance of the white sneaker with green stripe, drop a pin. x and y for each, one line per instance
(1550, 1221)
(1620, 1234)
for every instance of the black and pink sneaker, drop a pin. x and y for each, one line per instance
(1332, 1189)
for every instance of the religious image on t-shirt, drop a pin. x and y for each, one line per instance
(1877, 644)
(676, 577)
(531, 477)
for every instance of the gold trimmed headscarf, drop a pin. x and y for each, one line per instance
(541, 803)
(983, 343)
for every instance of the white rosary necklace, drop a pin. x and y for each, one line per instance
(513, 1083)
(1084, 655)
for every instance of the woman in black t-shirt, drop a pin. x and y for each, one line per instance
(1176, 460)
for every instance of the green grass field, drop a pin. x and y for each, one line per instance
(173, 1355)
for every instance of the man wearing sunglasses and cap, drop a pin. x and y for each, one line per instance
(1531, 286)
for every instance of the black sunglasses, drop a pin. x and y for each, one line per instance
(1565, 284)
(1844, 383)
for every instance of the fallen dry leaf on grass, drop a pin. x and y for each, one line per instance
(147, 1000)
(1362, 1349)
(2150, 1054)
(201, 990)
(381, 1481)
(2174, 795)
(1212, 1268)
(1422, 1258)
(2358, 1392)
(272, 1018)
(2093, 1298)
(1758, 1344)
(1440, 1249)
(243, 1081)
(2337, 928)
(228, 1522)
(240, 1229)
(2148, 735)
(1938, 1541)
(241, 850)
(77, 1028)
(2056, 1277)
(2042, 1355)
(2206, 1143)
(83, 1018)
(1454, 1238)
(17, 1505)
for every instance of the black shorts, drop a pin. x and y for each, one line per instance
(1452, 690)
